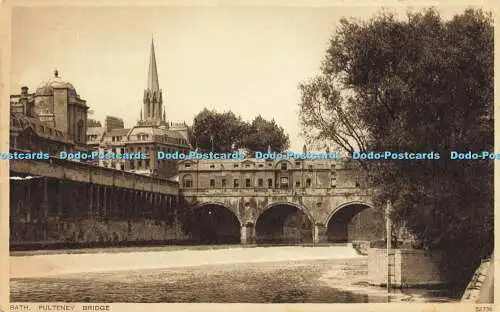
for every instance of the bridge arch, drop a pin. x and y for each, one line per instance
(355, 220)
(284, 223)
(214, 222)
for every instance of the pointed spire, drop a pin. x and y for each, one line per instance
(164, 115)
(141, 114)
(153, 84)
(269, 149)
(304, 149)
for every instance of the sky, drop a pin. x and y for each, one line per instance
(249, 60)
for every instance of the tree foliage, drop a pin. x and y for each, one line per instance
(229, 132)
(420, 84)
(262, 134)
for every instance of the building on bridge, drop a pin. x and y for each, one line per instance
(151, 134)
(268, 201)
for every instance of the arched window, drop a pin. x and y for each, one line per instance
(187, 181)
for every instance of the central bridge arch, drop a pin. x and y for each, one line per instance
(283, 223)
(214, 223)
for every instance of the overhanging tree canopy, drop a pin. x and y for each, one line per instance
(418, 84)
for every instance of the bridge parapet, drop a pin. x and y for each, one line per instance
(82, 172)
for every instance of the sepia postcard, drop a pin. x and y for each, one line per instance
(247, 155)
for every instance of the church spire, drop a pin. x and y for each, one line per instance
(153, 84)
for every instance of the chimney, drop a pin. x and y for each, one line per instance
(24, 90)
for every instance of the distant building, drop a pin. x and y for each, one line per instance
(151, 134)
(91, 123)
(52, 119)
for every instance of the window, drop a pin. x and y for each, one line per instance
(121, 167)
(132, 165)
(333, 182)
(297, 183)
(223, 182)
(260, 182)
(187, 181)
(247, 165)
(283, 166)
(297, 163)
(212, 166)
(139, 164)
(236, 183)
(308, 182)
(212, 183)
(261, 165)
(247, 183)
(358, 184)
(187, 165)
(235, 166)
(269, 182)
(147, 163)
(284, 182)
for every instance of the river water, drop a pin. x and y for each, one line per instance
(234, 275)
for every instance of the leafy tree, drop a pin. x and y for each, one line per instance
(420, 84)
(229, 132)
(263, 134)
(220, 130)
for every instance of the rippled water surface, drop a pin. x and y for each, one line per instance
(307, 281)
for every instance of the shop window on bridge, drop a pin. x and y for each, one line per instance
(308, 182)
(187, 181)
(260, 182)
(212, 183)
(139, 164)
(269, 182)
(236, 183)
(247, 183)
(132, 165)
(223, 182)
(147, 163)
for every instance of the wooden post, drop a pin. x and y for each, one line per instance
(389, 247)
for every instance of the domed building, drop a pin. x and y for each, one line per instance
(58, 104)
(52, 119)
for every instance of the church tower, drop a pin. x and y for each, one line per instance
(153, 112)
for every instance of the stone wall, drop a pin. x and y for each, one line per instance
(410, 268)
(93, 231)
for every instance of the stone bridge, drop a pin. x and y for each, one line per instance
(268, 202)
